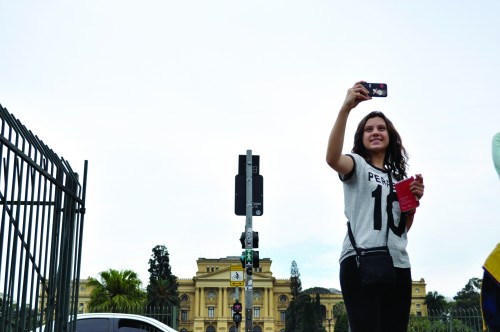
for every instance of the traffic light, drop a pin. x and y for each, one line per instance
(237, 307)
(255, 260)
(249, 259)
(255, 240)
(242, 259)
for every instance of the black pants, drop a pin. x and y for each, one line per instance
(375, 309)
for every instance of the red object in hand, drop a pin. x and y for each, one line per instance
(407, 201)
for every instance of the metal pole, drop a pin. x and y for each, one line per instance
(249, 245)
(237, 298)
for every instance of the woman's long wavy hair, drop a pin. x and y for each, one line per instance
(395, 156)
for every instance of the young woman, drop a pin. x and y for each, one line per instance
(377, 154)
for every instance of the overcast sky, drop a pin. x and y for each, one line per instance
(162, 96)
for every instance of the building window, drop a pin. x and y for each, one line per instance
(210, 329)
(283, 299)
(211, 312)
(256, 312)
(184, 315)
(283, 315)
(212, 295)
(418, 305)
(208, 268)
(419, 313)
(417, 290)
(184, 298)
(257, 329)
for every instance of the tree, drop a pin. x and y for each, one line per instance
(317, 290)
(115, 290)
(435, 302)
(295, 283)
(419, 323)
(161, 292)
(163, 287)
(301, 315)
(311, 321)
(291, 317)
(338, 309)
(319, 312)
(307, 323)
(159, 264)
(469, 296)
(340, 315)
(341, 323)
(20, 318)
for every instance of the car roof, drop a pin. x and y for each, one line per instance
(126, 316)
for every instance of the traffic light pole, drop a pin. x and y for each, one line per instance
(249, 245)
(237, 298)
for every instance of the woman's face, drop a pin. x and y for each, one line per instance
(375, 135)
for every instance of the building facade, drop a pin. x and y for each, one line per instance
(207, 298)
(84, 296)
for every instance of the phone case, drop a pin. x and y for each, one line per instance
(407, 201)
(376, 89)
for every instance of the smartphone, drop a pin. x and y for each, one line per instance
(376, 89)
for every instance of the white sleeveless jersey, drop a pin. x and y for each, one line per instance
(370, 205)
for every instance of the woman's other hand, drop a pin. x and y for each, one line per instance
(417, 186)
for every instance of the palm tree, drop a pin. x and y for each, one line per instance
(115, 290)
(435, 302)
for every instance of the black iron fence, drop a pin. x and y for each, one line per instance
(42, 209)
(456, 320)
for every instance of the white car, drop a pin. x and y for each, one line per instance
(111, 322)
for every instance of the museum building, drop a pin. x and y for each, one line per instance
(208, 297)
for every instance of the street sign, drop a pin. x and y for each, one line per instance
(236, 276)
(240, 180)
